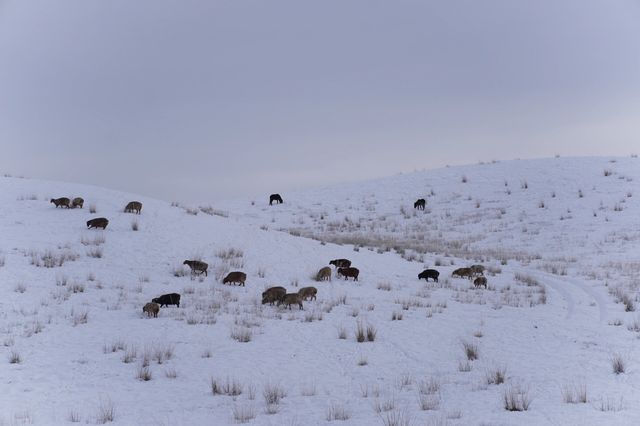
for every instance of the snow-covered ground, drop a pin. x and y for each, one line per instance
(559, 238)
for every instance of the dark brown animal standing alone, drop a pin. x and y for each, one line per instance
(197, 266)
(273, 294)
(275, 197)
(291, 299)
(151, 309)
(419, 204)
(77, 202)
(429, 273)
(133, 207)
(324, 274)
(235, 277)
(479, 282)
(349, 273)
(340, 263)
(99, 222)
(61, 202)
(308, 293)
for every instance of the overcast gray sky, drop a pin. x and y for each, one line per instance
(193, 100)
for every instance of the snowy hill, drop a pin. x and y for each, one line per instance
(558, 237)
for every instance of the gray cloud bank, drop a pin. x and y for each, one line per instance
(192, 100)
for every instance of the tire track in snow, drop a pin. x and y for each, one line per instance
(563, 287)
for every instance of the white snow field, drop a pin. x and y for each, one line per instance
(559, 238)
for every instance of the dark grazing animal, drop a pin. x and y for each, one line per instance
(340, 263)
(151, 308)
(99, 222)
(167, 299)
(61, 202)
(429, 273)
(275, 197)
(235, 277)
(77, 202)
(480, 281)
(324, 274)
(197, 266)
(349, 273)
(419, 204)
(463, 273)
(308, 293)
(273, 295)
(477, 269)
(133, 207)
(292, 299)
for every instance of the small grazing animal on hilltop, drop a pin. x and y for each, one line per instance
(133, 207)
(61, 202)
(99, 222)
(429, 273)
(197, 267)
(168, 299)
(273, 295)
(324, 274)
(292, 299)
(235, 277)
(151, 308)
(308, 293)
(340, 263)
(349, 273)
(275, 197)
(463, 273)
(77, 202)
(419, 204)
(480, 281)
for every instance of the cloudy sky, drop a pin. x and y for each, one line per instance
(192, 100)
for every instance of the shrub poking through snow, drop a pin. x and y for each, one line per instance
(470, 350)
(229, 387)
(337, 411)
(516, 398)
(618, 364)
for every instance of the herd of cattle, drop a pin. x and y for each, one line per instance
(277, 295)
(98, 222)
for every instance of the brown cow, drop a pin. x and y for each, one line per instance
(273, 294)
(463, 272)
(308, 293)
(324, 274)
(477, 270)
(292, 299)
(133, 207)
(479, 282)
(197, 266)
(235, 277)
(77, 202)
(151, 308)
(61, 202)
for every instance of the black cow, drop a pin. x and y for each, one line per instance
(275, 197)
(419, 204)
(340, 263)
(429, 273)
(99, 222)
(167, 299)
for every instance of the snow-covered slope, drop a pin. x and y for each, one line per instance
(557, 263)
